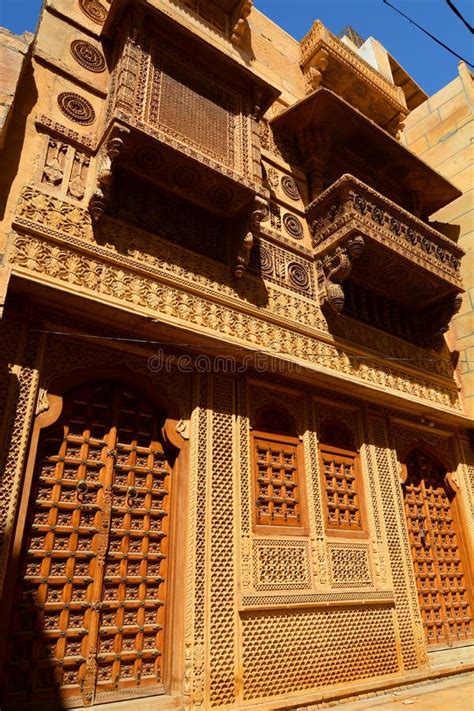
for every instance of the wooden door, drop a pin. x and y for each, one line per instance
(89, 615)
(436, 547)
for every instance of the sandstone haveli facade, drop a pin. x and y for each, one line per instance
(236, 363)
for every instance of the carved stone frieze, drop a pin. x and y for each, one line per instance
(57, 129)
(68, 266)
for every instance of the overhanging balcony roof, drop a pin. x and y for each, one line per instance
(359, 140)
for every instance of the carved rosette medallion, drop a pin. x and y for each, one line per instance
(290, 188)
(76, 108)
(94, 10)
(299, 276)
(293, 226)
(88, 56)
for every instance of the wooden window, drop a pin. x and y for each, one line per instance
(277, 473)
(340, 474)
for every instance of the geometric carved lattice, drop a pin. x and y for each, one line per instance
(436, 553)
(290, 651)
(89, 615)
(339, 471)
(280, 565)
(276, 477)
(350, 565)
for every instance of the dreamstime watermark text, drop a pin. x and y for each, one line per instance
(162, 362)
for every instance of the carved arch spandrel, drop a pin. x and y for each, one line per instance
(445, 461)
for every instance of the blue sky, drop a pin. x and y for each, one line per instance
(430, 65)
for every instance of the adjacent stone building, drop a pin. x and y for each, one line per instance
(235, 460)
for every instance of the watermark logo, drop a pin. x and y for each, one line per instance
(161, 362)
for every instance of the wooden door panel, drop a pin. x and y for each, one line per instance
(437, 554)
(93, 581)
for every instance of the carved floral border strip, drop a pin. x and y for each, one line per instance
(95, 276)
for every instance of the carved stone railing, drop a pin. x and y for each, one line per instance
(358, 232)
(328, 62)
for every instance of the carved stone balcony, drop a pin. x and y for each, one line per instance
(328, 62)
(362, 237)
(186, 113)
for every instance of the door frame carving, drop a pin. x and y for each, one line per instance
(173, 659)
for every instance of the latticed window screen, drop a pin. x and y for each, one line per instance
(276, 472)
(341, 488)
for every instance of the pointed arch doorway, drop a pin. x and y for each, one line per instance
(439, 555)
(89, 618)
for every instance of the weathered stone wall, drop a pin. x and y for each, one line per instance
(440, 131)
(14, 50)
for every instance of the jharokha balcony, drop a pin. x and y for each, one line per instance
(328, 62)
(157, 84)
(381, 264)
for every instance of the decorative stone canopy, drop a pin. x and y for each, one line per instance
(328, 62)
(215, 11)
(358, 232)
(332, 135)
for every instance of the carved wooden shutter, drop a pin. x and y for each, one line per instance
(436, 552)
(341, 488)
(88, 624)
(277, 480)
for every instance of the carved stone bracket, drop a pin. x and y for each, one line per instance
(333, 269)
(315, 70)
(396, 125)
(258, 214)
(108, 153)
(239, 21)
(436, 319)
